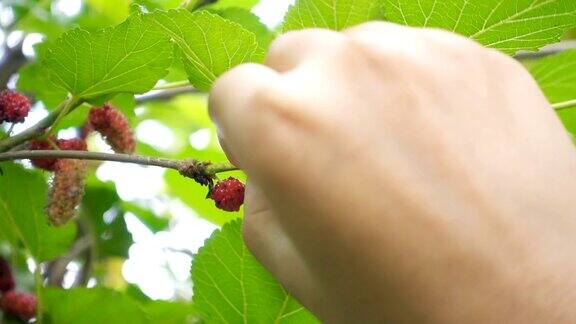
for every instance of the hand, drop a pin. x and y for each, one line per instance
(404, 175)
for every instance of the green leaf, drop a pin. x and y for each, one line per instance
(33, 78)
(124, 102)
(556, 76)
(230, 286)
(171, 312)
(116, 10)
(209, 44)
(252, 23)
(22, 219)
(91, 306)
(100, 305)
(113, 238)
(509, 26)
(130, 57)
(336, 14)
(246, 4)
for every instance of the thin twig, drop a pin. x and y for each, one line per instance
(98, 156)
(547, 51)
(69, 105)
(564, 104)
(173, 85)
(164, 94)
(210, 168)
(58, 268)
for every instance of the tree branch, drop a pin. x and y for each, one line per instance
(164, 94)
(190, 168)
(173, 85)
(547, 50)
(57, 269)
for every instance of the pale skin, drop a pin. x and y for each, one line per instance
(403, 175)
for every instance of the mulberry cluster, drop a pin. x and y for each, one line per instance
(67, 187)
(14, 106)
(19, 304)
(66, 191)
(114, 127)
(228, 194)
(74, 144)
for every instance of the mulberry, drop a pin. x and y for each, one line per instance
(74, 144)
(6, 277)
(228, 194)
(14, 106)
(114, 127)
(19, 304)
(66, 191)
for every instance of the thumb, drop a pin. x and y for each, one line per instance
(267, 240)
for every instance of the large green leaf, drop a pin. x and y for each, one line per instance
(22, 219)
(335, 14)
(252, 23)
(556, 75)
(247, 4)
(230, 286)
(91, 306)
(101, 305)
(508, 25)
(171, 312)
(33, 79)
(130, 57)
(209, 44)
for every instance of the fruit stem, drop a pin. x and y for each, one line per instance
(69, 105)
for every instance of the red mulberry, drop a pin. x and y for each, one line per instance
(74, 144)
(19, 304)
(14, 106)
(45, 164)
(66, 192)
(228, 194)
(114, 127)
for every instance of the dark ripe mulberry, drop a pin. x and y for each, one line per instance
(6, 277)
(19, 304)
(228, 194)
(45, 164)
(114, 128)
(74, 144)
(14, 106)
